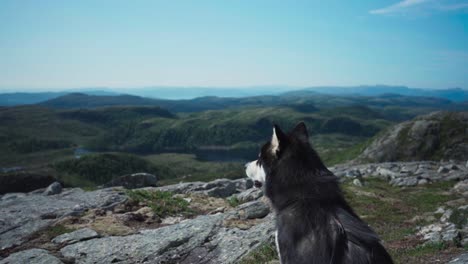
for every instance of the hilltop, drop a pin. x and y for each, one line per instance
(436, 136)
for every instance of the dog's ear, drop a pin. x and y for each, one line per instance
(300, 132)
(278, 139)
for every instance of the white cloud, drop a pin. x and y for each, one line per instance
(408, 5)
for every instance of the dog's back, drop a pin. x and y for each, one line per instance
(309, 233)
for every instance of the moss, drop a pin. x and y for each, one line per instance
(56, 230)
(163, 203)
(428, 248)
(233, 201)
(459, 217)
(263, 254)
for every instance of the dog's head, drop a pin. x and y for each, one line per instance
(281, 148)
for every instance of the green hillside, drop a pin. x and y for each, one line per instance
(217, 141)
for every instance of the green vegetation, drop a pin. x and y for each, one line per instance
(101, 168)
(163, 203)
(390, 211)
(56, 230)
(459, 217)
(427, 249)
(263, 254)
(175, 168)
(233, 201)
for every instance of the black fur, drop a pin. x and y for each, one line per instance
(315, 224)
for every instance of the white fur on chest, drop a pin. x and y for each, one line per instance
(277, 245)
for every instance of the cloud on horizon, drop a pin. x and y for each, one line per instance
(431, 5)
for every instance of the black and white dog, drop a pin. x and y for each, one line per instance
(314, 222)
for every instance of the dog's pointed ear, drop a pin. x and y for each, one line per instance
(300, 132)
(278, 139)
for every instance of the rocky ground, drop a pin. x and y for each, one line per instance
(419, 209)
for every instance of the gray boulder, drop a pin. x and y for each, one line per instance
(200, 240)
(461, 259)
(21, 216)
(253, 209)
(33, 256)
(136, 180)
(218, 188)
(75, 236)
(249, 195)
(54, 188)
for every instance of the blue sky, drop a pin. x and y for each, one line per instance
(69, 44)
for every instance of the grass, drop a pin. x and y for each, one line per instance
(426, 249)
(389, 210)
(459, 217)
(233, 201)
(263, 254)
(163, 204)
(57, 230)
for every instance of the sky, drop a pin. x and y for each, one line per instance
(52, 45)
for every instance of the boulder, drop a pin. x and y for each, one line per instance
(357, 182)
(461, 259)
(221, 188)
(200, 240)
(21, 216)
(75, 236)
(249, 195)
(136, 180)
(35, 255)
(54, 188)
(253, 209)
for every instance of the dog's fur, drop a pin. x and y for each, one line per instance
(314, 222)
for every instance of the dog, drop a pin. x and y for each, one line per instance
(315, 224)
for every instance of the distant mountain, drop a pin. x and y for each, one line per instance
(188, 93)
(397, 107)
(24, 98)
(453, 94)
(180, 93)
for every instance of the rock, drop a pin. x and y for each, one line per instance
(357, 182)
(199, 240)
(172, 220)
(442, 169)
(218, 188)
(461, 187)
(243, 184)
(54, 188)
(249, 195)
(461, 259)
(23, 215)
(422, 181)
(439, 232)
(253, 209)
(421, 139)
(35, 255)
(446, 215)
(386, 173)
(24, 181)
(136, 180)
(404, 181)
(353, 173)
(75, 236)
